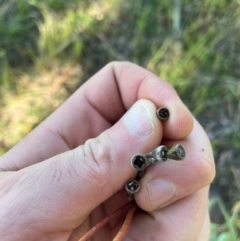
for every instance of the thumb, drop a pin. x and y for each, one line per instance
(64, 189)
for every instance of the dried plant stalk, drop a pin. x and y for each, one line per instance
(124, 229)
(100, 224)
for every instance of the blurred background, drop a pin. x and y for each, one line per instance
(48, 48)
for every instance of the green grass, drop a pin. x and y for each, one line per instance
(228, 230)
(53, 46)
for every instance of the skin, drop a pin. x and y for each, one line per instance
(69, 172)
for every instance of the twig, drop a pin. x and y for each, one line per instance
(100, 224)
(124, 229)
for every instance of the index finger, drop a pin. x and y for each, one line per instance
(93, 108)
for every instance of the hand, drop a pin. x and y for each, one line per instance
(70, 171)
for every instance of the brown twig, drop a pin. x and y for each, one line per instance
(124, 229)
(100, 224)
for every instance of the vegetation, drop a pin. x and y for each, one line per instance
(48, 48)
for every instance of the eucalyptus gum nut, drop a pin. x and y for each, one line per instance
(163, 114)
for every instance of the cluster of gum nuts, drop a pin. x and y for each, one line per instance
(161, 153)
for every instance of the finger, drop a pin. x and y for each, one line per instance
(93, 108)
(69, 186)
(167, 182)
(181, 221)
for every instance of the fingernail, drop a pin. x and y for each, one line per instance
(160, 192)
(139, 121)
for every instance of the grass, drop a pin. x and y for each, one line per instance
(228, 230)
(53, 46)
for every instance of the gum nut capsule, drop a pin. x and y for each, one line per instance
(163, 113)
(177, 153)
(139, 162)
(160, 153)
(132, 186)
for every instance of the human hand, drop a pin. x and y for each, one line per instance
(69, 172)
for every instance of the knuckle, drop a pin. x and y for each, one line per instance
(97, 156)
(111, 63)
(120, 65)
(115, 62)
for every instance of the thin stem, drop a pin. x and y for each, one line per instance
(100, 224)
(124, 229)
(177, 19)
